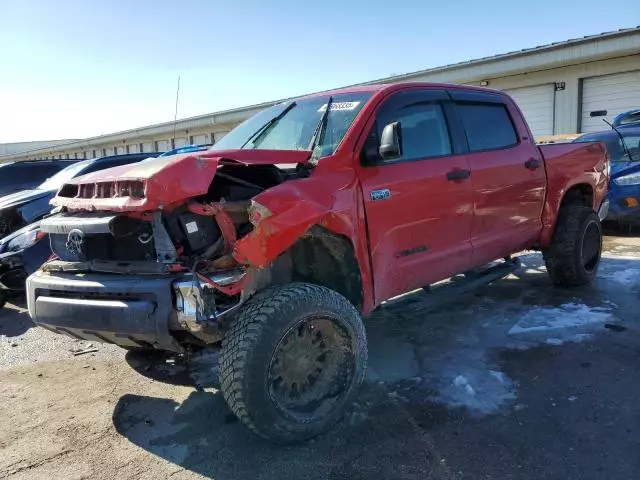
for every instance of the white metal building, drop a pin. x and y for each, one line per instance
(564, 87)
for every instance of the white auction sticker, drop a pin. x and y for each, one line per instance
(192, 227)
(340, 106)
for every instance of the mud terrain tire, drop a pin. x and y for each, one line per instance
(292, 361)
(573, 256)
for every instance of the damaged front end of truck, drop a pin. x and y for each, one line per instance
(161, 254)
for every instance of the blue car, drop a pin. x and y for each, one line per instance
(624, 186)
(186, 149)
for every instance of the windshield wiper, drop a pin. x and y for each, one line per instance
(318, 133)
(258, 134)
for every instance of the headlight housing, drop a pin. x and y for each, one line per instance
(24, 240)
(630, 179)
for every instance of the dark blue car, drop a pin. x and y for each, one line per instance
(624, 186)
(16, 176)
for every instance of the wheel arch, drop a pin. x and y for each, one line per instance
(325, 258)
(578, 193)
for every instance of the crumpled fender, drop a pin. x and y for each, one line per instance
(295, 207)
(333, 201)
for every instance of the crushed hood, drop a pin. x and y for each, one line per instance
(167, 180)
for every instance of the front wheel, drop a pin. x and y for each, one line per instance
(573, 256)
(292, 361)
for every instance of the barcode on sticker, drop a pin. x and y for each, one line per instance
(192, 227)
(340, 106)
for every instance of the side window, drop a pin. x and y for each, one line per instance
(488, 126)
(46, 171)
(423, 130)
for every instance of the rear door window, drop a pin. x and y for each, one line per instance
(487, 126)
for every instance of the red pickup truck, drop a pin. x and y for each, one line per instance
(304, 218)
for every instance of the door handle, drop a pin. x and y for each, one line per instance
(457, 175)
(532, 164)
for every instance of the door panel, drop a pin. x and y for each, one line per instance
(419, 221)
(509, 183)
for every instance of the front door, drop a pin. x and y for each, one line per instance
(419, 206)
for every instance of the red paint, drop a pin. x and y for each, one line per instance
(171, 181)
(508, 197)
(417, 215)
(567, 165)
(429, 227)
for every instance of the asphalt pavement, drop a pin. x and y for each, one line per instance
(517, 380)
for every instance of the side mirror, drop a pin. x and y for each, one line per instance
(391, 141)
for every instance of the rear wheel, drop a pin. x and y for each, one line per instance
(292, 361)
(573, 256)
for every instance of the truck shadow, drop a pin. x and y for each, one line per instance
(203, 436)
(200, 371)
(430, 374)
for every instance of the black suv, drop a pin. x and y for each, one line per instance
(27, 175)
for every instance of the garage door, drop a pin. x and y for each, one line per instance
(606, 97)
(537, 104)
(199, 139)
(121, 150)
(162, 145)
(179, 142)
(219, 136)
(147, 147)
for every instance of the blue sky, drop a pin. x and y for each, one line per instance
(73, 69)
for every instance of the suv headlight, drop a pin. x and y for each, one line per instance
(23, 241)
(630, 179)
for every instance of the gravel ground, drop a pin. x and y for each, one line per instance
(516, 380)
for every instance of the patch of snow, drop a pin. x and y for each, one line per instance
(462, 383)
(628, 277)
(569, 315)
(481, 391)
(500, 376)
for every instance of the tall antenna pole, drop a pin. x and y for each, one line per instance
(175, 116)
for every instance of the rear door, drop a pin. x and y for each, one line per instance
(418, 214)
(508, 178)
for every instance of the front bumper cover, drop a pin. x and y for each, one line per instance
(130, 311)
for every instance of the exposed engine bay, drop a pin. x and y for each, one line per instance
(193, 242)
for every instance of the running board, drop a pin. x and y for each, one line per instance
(434, 296)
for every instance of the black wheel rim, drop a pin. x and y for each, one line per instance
(312, 368)
(591, 246)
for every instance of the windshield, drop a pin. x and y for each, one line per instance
(294, 130)
(614, 144)
(64, 175)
